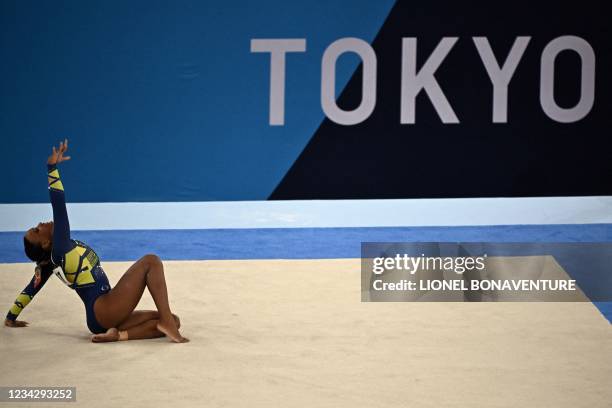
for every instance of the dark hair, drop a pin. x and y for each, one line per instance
(35, 252)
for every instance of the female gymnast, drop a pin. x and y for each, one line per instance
(110, 312)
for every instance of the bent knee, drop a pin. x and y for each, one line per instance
(151, 259)
(177, 321)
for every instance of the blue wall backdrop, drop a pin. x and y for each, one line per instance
(162, 101)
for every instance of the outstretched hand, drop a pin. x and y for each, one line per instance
(58, 154)
(15, 323)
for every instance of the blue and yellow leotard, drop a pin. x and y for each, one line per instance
(75, 263)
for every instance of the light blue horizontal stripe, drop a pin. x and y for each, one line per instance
(437, 212)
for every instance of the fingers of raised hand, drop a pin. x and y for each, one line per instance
(62, 149)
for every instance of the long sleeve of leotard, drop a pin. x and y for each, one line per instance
(61, 228)
(29, 292)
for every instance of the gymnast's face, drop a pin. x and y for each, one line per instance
(42, 235)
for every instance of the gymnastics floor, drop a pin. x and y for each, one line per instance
(294, 333)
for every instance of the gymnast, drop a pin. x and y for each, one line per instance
(110, 312)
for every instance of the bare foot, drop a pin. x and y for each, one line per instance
(170, 330)
(111, 334)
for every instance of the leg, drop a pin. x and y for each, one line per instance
(146, 330)
(142, 324)
(139, 317)
(115, 307)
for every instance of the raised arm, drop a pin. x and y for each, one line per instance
(38, 281)
(61, 226)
